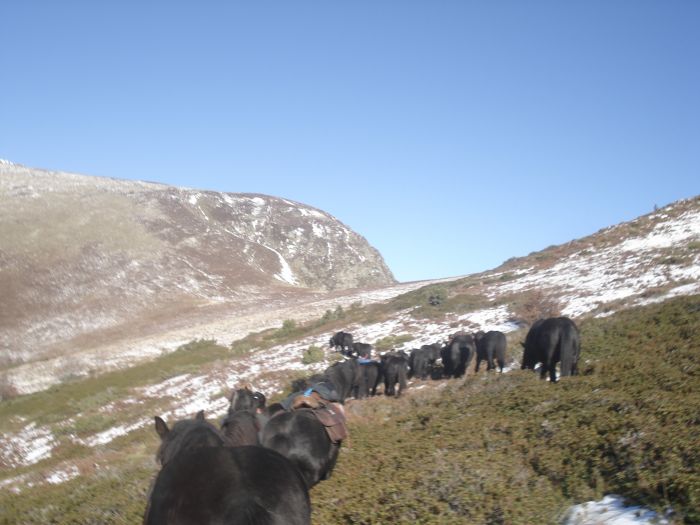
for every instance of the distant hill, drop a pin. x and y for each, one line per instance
(86, 261)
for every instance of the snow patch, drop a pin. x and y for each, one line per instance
(611, 510)
(491, 319)
(305, 212)
(27, 447)
(667, 234)
(102, 438)
(61, 476)
(286, 274)
(318, 230)
(585, 280)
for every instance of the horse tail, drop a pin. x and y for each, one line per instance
(403, 383)
(490, 351)
(567, 347)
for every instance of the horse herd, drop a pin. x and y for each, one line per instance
(258, 466)
(548, 342)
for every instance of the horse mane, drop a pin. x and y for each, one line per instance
(187, 435)
(241, 428)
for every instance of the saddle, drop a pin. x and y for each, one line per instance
(331, 415)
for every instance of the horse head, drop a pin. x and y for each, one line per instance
(185, 435)
(246, 399)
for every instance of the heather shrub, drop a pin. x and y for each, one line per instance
(490, 449)
(518, 450)
(391, 341)
(312, 355)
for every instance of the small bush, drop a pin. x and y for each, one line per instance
(289, 329)
(312, 355)
(198, 344)
(391, 341)
(333, 315)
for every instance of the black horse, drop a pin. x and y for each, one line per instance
(395, 370)
(246, 417)
(186, 435)
(296, 434)
(345, 376)
(422, 360)
(550, 341)
(246, 399)
(300, 437)
(205, 481)
(342, 340)
(362, 350)
(490, 345)
(241, 428)
(370, 373)
(229, 485)
(457, 354)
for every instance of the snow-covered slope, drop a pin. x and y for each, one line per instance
(96, 264)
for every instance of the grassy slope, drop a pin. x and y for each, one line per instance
(508, 449)
(513, 449)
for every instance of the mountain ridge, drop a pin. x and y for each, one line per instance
(87, 259)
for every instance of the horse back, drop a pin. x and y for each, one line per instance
(241, 485)
(300, 437)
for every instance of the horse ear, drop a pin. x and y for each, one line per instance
(200, 416)
(161, 428)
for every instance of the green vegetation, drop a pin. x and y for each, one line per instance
(289, 329)
(333, 315)
(434, 301)
(64, 401)
(489, 449)
(391, 341)
(514, 449)
(312, 355)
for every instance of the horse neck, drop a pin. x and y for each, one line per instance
(194, 435)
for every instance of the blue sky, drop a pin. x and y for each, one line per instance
(451, 134)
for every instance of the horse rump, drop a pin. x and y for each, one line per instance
(300, 437)
(229, 485)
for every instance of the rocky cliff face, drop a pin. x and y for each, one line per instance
(85, 260)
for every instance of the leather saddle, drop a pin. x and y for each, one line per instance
(331, 415)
